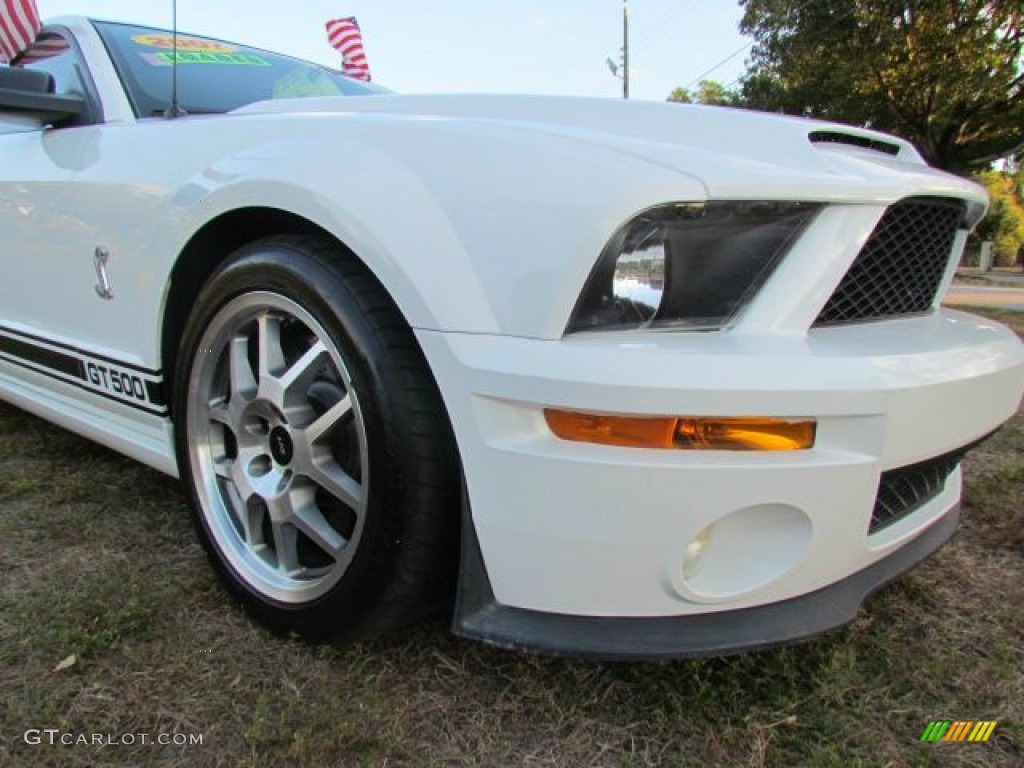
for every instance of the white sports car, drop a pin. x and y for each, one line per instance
(624, 379)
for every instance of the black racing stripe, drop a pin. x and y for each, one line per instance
(155, 393)
(83, 352)
(82, 385)
(47, 358)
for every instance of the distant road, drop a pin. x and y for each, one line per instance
(995, 296)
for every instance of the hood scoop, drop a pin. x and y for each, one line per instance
(853, 140)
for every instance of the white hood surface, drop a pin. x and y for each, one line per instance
(732, 152)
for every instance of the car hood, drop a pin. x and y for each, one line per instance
(734, 153)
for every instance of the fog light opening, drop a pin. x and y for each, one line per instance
(693, 555)
(742, 552)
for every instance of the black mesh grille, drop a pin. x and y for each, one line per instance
(899, 269)
(907, 489)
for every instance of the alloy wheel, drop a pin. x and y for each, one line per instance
(278, 447)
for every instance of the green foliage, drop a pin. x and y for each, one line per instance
(681, 96)
(1004, 224)
(945, 74)
(713, 92)
(708, 92)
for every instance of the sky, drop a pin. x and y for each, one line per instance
(472, 46)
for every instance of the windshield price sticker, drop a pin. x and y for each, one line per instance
(184, 43)
(167, 58)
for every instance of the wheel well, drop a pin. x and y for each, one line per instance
(207, 249)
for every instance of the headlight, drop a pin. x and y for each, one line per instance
(688, 265)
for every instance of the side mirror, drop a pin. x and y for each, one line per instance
(29, 93)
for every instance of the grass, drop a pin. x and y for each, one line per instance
(98, 560)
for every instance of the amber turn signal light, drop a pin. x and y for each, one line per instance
(745, 434)
(687, 433)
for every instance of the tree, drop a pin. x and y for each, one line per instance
(1004, 224)
(945, 74)
(713, 92)
(681, 96)
(708, 92)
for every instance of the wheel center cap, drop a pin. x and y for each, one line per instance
(281, 446)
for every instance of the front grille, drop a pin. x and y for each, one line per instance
(899, 269)
(905, 490)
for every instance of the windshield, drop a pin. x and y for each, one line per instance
(213, 76)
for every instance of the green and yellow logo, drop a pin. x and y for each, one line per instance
(959, 730)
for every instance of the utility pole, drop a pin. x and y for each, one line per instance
(625, 49)
(625, 52)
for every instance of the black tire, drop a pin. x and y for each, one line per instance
(250, 457)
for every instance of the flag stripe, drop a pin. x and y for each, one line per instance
(44, 47)
(340, 39)
(19, 23)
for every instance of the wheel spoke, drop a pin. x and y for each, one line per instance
(305, 369)
(243, 382)
(221, 413)
(282, 523)
(239, 478)
(227, 417)
(312, 523)
(271, 356)
(222, 420)
(250, 515)
(286, 548)
(328, 419)
(333, 479)
(224, 468)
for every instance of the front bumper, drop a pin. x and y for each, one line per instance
(480, 617)
(584, 532)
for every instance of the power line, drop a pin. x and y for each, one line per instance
(665, 25)
(647, 30)
(651, 28)
(723, 62)
(749, 45)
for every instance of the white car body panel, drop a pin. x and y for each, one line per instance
(483, 218)
(572, 510)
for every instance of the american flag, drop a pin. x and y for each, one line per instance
(44, 47)
(19, 23)
(344, 36)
